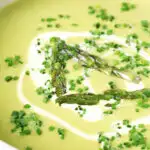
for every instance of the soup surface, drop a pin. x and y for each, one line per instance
(22, 24)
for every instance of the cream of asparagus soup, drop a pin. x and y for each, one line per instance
(75, 74)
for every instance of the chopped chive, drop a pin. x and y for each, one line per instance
(61, 132)
(27, 106)
(8, 78)
(75, 24)
(42, 19)
(27, 72)
(28, 148)
(52, 128)
(51, 19)
(57, 25)
(125, 6)
(108, 112)
(109, 32)
(15, 78)
(112, 85)
(49, 25)
(38, 131)
(13, 61)
(137, 110)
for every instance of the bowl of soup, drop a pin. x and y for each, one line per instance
(75, 74)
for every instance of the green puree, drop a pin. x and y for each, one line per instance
(21, 21)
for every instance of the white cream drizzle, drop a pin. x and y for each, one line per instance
(94, 113)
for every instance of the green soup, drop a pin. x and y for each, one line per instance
(20, 23)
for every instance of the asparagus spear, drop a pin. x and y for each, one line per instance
(93, 99)
(80, 99)
(123, 94)
(89, 60)
(57, 68)
(59, 82)
(97, 63)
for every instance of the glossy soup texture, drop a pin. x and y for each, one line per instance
(20, 22)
